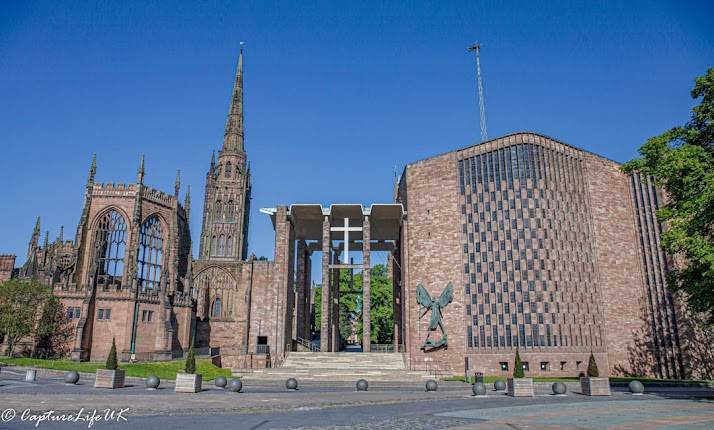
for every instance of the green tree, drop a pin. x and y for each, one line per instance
(190, 366)
(54, 330)
(593, 371)
(518, 366)
(681, 161)
(111, 363)
(381, 309)
(21, 304)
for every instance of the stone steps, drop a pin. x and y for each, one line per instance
(332, 366)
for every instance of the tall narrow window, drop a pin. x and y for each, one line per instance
(229, 246)
(214, 245)
(221, 245)
(230, 211)
(229, 170)
(110, 244)
(216, 308)
(151, 246)
(218, 210)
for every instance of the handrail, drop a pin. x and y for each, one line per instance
(307, 344)
(386, 348)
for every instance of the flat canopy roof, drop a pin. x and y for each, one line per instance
(385, 219)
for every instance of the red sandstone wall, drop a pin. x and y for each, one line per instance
(182, 329)
(618, 262)
(146, 331)
(7, 264)
(263, 314)
(434, 258)
(105, 330)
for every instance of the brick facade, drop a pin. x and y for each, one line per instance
(541, 242)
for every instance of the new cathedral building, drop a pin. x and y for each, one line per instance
(551, 251)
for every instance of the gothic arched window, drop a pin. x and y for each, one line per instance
(230, 211)
(218, 210)
(228, 169)
(210, 284)
(151, 248)
(229, 246)
(214, 245)
(110, 244)
(222, 245)
(216, 308)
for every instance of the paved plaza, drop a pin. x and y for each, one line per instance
(267, 405)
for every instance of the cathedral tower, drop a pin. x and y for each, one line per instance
(224, 231)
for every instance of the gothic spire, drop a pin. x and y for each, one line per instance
(92, 170)
(34, 239)
(140, 172)
(212, 168)
(187, 201)
(47, 240)
(233, 136)
(36, 231)
(60, 236)
(177, 185)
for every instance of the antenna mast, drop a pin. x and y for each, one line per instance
(476, 47)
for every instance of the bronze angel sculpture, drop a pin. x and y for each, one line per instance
(435, 305)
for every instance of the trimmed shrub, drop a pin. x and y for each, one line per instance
(518, 366)
(112, 363)
(593, 371)
(190, 362)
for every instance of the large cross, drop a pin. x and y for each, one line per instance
(346, 229)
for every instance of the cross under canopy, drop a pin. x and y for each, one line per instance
(346, 229)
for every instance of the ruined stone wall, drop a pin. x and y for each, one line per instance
(7, 265)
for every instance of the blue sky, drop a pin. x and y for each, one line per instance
(337, 93)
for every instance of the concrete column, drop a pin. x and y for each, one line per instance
(290, 308)
(366, 291)
(300, 284)
(307, 308)
(405, 295)
(335, 300)
(394, 277)
(284, 297)
(325, 289)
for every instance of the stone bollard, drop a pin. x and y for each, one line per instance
(479, 389)
(152, 382)
(431, 385)
(221, 382)
(291, 384)
(71, 377)
(636, 388)
(235, 386)
(499, 385)
(559, 388)
(31, 375)
(362, 385)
